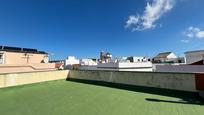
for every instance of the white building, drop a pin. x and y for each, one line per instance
(138, 59)
(125, 66)
(194, 64)
(87, 62)
(194, 56)
(165, 57)
(105, 57)
(117, 64)
(71, 60)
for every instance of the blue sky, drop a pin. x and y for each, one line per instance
(85, 27)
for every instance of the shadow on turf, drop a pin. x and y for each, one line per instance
(186, 101)
(186, 97)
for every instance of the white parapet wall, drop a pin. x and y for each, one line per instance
(174, 81)
(14, 79)
(126, 66)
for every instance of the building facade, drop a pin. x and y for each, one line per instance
(165, 57)
(125, 66)
(105, 57)
(194, 56)
(16, 55)
(138, 59)
(70, 61)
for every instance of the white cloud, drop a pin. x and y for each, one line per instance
(153, 11)
(200, 34)
(194, 32)
(185, 40)
(132, 20)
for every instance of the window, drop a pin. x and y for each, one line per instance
(1, 58)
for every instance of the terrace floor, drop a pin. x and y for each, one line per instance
(75, 98)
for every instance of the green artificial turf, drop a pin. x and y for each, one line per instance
(72, 98)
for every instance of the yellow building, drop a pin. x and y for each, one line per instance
(16, 55)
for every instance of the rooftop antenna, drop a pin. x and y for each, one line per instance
(27, 56)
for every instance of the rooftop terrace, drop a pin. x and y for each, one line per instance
(75, 98)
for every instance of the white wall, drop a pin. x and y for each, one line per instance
(87, 62)
(89, 67)
(137, 66)
(194, 57)
(171, 55)
(71, 60)
(108, 65)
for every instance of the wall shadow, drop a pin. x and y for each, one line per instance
(186, 97)
(186, 101)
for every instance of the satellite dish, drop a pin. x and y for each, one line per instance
(46, 60)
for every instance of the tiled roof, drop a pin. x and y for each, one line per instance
(163, 55)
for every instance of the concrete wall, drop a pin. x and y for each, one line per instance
(179, 68)
(89, 67)
(138, 69)
(192, 82)
(12, 68)
(42, 65)
(13, 79)
(108, 65)
(175, 81)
